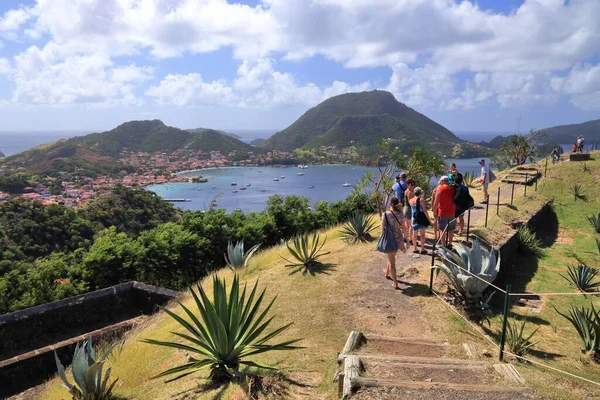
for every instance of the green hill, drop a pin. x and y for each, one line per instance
(362, 119)
(568, 133)
(196, 130)
(97, 153)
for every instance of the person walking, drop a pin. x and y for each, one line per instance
(452, 173)
(446, 210)
(485, 181)
(400, 186)
(408, 194)
(463, 201)
(395, 219)
(419, 216)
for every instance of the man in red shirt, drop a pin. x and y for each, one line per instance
(443, 202)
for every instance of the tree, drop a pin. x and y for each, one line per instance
(519, 149)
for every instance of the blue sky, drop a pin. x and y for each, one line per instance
(91, 65)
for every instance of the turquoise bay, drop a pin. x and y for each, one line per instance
(327, 182)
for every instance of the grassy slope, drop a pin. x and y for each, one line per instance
(315, 304)
(559, 343)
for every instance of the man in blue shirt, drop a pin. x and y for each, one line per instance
(400, 186)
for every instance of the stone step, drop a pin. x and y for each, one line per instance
(359, 382)
(420, 360)
(408, 340)
(465, 374)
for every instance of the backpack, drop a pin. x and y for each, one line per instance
(492, 176)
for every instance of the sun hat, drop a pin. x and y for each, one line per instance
(444, 178)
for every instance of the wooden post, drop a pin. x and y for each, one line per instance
(468, 224)
(546, 167)
(487, 208)
(352, 368)
(512, 194)
(498, 203)
(355, 339)
(504, 322)
(526, 182)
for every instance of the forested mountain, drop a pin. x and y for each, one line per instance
(362, 119)
(196, 130)
(568, 133)
(98, 152)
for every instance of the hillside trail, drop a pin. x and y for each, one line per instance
(405, 356)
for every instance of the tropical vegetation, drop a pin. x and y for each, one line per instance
(223, 333)
(236, 257)
(519, 343)
(582, 277)
(594, 220)
(586, 321)
(305, 250)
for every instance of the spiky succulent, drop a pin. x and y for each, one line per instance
(306, 250)
(358, 228)
(236, 258)
(518, 342)
(582, 277)
(460, 266)
(224, 332)
(594, 220)
(586, 322)
(90, 382)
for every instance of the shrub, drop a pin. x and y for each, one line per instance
(577, 191)
(582, 277)
(517, 341)
(224, 333)
(529, 243)
(595, 222)
(587, 323)
(90, 382)
(477, 261)
(236, 258)
(358, 228)
(598, 245)
(306, 250)
(585, 168)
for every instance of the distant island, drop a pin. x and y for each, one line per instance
(358, 121)
(1, 154)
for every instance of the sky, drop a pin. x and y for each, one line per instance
(486, 65)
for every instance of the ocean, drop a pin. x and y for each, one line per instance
(15, 142)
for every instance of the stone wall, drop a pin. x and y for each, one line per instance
(37, 328)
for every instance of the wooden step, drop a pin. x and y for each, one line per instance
(408, 340)
(358, 382)
(420, 360)
(400, 364)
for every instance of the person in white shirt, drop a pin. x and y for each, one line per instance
(485, 180)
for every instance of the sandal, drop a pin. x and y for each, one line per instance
(423, 251)
(416, 251)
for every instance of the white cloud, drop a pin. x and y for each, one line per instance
(530, 56)
(257, 84)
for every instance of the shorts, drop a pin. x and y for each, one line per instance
(485, 186)
(407, 212)
(444, 222)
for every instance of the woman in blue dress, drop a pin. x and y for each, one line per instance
(418, 204)
(395, 218)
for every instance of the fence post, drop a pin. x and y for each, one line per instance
(504, 322)
(536, 181)
(468, 224)
(447, 233)
(546, 167)
(526, 181)
(487, 207)
(498, 203)
(512, 194)
(431, 278)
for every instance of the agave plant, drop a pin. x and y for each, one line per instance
(225, 332)
(460, 267)
(306, 250)
(90, 382)
(577, 191)
(236, 258)
(587, 323)
(517, 341)
(598, 245)
(582, 277)
(469, 178)
(595, 222)
(358, 228)
(529, 243)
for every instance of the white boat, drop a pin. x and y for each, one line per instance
(305, 166)
(248, 184)
(242, 188)
(276, 179)
(214, 187)
(235, 191)
(282, 177)
(233, 184)
(300, 173)
(311, 186)
(263, 190)
(347, 184)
